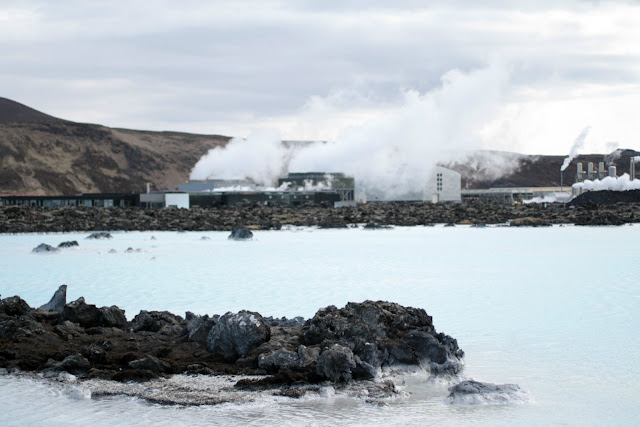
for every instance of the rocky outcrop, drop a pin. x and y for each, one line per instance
(240, 233)
(14, 306)
(43, 248)
(355, 343)
(70, 244)
(235, 334)
(382, 334)
(101, 235)
(58, 301)
(15, 219)
(475, 392)
(530, 222)
(157, 321)
(90, 316)
(198, 327)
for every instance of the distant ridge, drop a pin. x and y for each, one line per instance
(14, 112)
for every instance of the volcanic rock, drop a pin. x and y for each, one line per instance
(157, 321)
(336, 363)
(69, 244)
(113, 317)
(101, 235)
(58, 301)
(152, 364)
(14, 306)
(236, 334)
(476, 392)
(530, 222)
(198, 327)
(383, 334)
(86, 315)
(44, 248)
(240, 233)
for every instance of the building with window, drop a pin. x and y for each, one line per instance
(443, 186)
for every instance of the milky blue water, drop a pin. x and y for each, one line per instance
(555, 310)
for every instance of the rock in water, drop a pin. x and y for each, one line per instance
(58, 301)
(479, 393)
(69, 244)
(100, 235)
(44, 248)
(241, 233)
(382, 334)
(236, 334)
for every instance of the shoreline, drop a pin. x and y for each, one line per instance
(353, 349)
(253, 216)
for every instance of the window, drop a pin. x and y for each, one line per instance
(439, 182)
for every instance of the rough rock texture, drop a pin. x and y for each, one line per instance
(100, 235)
(86, 315)
(69, 244)
(157, 321)
(44, 248)
(338, 345)
(14, 306)
(58, 301)
(240, 233)
(475, 392)
(14, 219)
(383, 334)
(198, 327)
(235, 334)
(530, 222)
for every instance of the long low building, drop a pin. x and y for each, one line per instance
(511, 195)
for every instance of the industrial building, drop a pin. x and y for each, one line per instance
(443, 186)
(165, 199)
(98, 200)
(511, 195)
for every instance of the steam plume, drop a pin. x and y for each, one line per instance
(577, 146)
(392, 155)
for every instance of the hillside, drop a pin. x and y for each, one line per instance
(43, 155)
(490, 169)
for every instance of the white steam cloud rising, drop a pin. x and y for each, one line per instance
(577, 146)
(392, 155)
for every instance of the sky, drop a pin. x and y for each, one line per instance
(525, 77)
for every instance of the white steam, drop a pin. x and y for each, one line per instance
(260, 158)
(577, 146)
(392, 155)
(622, 183)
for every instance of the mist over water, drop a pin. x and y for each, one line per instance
(391, 155)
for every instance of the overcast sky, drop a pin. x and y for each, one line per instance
(315, 70)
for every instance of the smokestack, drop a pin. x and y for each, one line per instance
(579, 173)
(601, 172)
(612, 171)
(591, 173)
(148, 188)
(632, 169)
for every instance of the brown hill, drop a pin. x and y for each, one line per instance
(11, 111)
(40, 154)
(493, 169)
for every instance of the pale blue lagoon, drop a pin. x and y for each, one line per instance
(555, 310)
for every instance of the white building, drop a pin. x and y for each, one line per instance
(164, 199)
(443, 186)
